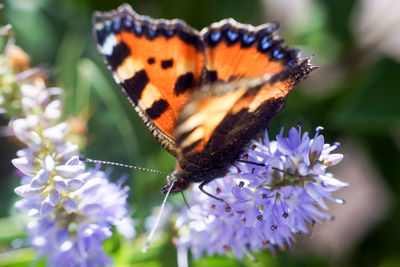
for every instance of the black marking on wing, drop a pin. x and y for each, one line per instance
(183, 83)
(151, 60)
(157, 109)
(100, 36)
(210, 76)
(120, 52)
(135, 85)
(165, 64)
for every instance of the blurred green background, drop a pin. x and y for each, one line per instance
(354, 94)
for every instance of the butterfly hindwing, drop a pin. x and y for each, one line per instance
(157, 63)
(234, 51)
(220, 120)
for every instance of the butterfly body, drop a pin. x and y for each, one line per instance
(203, 95)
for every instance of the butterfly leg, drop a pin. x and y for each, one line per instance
(251, 162)
(227, 208)
(184, 199)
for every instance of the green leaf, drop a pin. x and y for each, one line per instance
(105, 92)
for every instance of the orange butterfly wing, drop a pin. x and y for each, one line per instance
(235, 50)
(157, 63)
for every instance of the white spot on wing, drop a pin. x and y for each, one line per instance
(108, 46)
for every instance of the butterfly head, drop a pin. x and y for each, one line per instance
(177, 181)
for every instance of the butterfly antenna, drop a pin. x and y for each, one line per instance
(120, 165)
(153, 230)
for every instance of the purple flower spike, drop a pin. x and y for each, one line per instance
(75, 210)
(92, 222)
(269, 204)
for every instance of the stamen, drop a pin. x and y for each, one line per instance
(337, 144)
(317, 130)
(281, 130)
(251, 257)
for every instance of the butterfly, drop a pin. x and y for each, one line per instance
(203, 95)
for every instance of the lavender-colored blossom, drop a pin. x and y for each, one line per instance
(75, 238)
(48, 162)
(75, 210)
(266, 204)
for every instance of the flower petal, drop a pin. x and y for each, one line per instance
(69, 171)
(24, 165)
(60, 184)
(333, 159)
(27, 191)
(70, 204)
(55, 198)
(48, 163)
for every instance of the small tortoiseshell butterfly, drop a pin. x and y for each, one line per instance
(203, 95)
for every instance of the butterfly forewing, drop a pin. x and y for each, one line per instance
(235, 51)
(157, 63)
